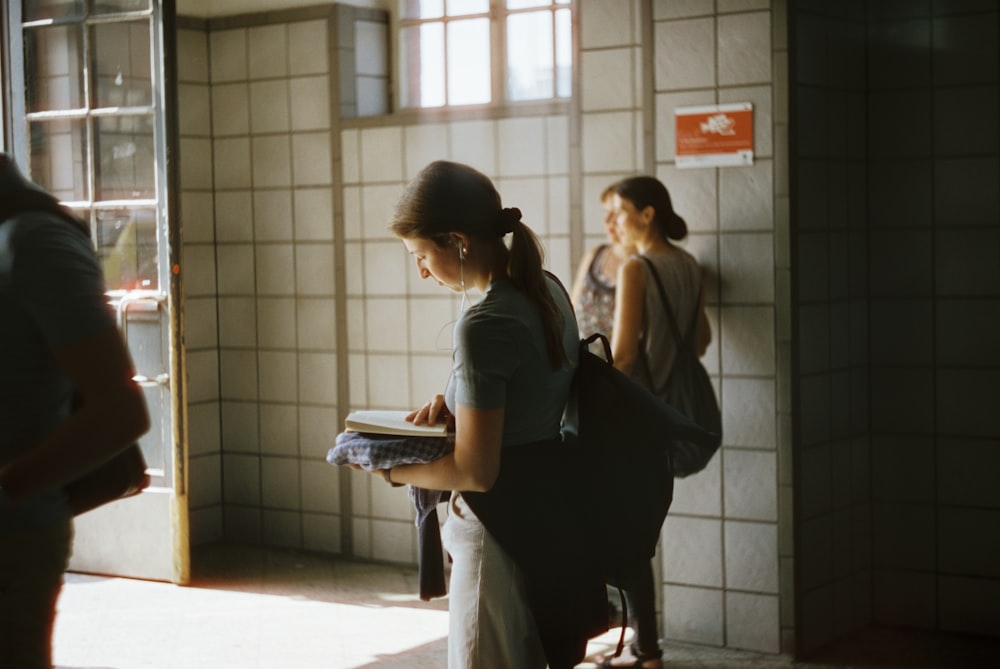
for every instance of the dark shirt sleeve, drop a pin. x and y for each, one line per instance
(57, 279)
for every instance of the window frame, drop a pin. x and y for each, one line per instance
(497, 13)
(16, 120)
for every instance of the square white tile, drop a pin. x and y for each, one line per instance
(279, 430)
(309, 103)
(269, 106)
(751, 556)
(317, 378)
(307, 47)
(276, 322)
(521, 146)
(381, 154)
(202, 376)
(750, 484)
(280, 482)
(272, 215)
(314, 269)
(692, 551)
(237, 322)
(268, 52)
(317, 323)
(275, 269)
(234, 220)
(228, 55)
(278, 379)
(311, 159)
(684, 54)
(272, 162)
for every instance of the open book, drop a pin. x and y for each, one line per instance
(391, 422)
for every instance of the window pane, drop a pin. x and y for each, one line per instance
(529, 56)
(465, 7)
(421, 9)
(121, 67)
(564, 54)
(469, 62)
(126, 245)
(125, 160)
(119, 6)
(422, 64)
(522, 4)
(57, 154)
(34, 10)
(53, 68)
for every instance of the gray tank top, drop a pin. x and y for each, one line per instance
(680, 276)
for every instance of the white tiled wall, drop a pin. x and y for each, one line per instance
(275, 190)
(259, 279)
(266, 389)
(722, 554)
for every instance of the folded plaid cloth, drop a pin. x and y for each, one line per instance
(380, 451)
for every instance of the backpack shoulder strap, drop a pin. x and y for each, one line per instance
(671, 318)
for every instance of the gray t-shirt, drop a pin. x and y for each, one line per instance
(681, 279)
(500, 361)
(51, 295)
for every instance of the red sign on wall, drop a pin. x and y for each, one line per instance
(715, 135)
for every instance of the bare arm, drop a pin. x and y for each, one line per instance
(113, 415)
(474, 464)
(704, 329)
(581, 276)
(630, 295)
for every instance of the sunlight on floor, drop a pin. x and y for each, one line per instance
(124, 623)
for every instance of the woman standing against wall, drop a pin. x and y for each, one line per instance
(643, 346)
(594, 286)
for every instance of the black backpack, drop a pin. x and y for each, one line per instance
(689, 390)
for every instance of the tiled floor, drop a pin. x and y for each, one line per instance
(262, 609)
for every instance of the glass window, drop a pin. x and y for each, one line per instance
(120, 64)
(53, 64)
(469, 62)
(90, 129)
(451, 51)
(126, 245)
(58, 150)
(40, 10)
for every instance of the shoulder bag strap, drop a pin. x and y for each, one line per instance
(685, 342)
(671, 319)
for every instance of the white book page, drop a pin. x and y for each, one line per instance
(390, 422)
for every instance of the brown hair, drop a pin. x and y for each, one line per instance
(645, 191)
(447, 197)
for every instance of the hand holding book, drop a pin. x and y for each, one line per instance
(393, 423)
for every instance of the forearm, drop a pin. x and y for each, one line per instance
(473, 465)
(441, 474)
(87, 439)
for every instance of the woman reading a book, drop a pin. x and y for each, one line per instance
(514, 355)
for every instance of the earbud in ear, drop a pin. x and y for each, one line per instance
(461, 253)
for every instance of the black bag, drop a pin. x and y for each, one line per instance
(123, 474)
(627, 432)
(690, 391)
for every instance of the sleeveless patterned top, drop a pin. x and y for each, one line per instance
(596, 311)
